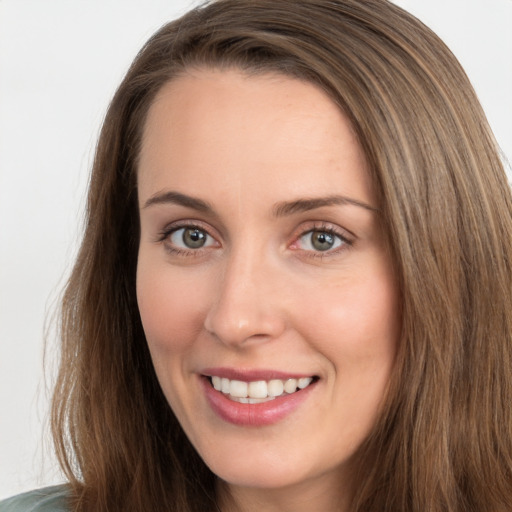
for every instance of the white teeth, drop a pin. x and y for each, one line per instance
(238, 389)
(217, 382)
(275, 387)
(290, 386)
(260, 390)
(304, 382)
(252, 400)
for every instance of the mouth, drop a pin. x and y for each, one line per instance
(256, 397)
(259, 391)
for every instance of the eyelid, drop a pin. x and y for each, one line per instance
(209, 241)
(183, 223)
(165, 233)
(347, 237)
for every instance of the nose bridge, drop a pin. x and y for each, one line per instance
(246, 305)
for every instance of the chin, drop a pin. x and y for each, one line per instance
(269, 469)
(254, 476)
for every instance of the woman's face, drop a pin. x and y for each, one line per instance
(264, 282)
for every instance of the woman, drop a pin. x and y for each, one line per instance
(293, 291)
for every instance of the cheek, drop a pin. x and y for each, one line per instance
(356, 324)
(171, 307)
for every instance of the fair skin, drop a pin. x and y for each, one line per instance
(262, 259)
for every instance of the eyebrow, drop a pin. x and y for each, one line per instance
(172, 197)
(281, 209)
(303, 205)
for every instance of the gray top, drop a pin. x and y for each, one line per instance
(49, 499)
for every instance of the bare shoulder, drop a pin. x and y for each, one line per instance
(48, 499)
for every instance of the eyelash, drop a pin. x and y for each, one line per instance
(327, 228)
(178, 251)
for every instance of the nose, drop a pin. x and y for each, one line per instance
(248, 306)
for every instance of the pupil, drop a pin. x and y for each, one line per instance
(194, 238)
(322, 241)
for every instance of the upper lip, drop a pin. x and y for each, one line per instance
(250, 375)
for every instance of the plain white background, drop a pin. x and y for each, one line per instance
(60, 63)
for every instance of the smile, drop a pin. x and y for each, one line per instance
(258, 391)
(255, 397)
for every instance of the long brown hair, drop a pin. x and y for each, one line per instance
(444, 439)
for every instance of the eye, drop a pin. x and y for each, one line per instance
(320, 241)
(190, 238)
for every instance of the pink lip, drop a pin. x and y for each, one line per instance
(249, 375)
(254, 415)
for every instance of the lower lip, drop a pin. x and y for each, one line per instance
(254, 415)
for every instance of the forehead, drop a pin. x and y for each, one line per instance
(217, 130)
